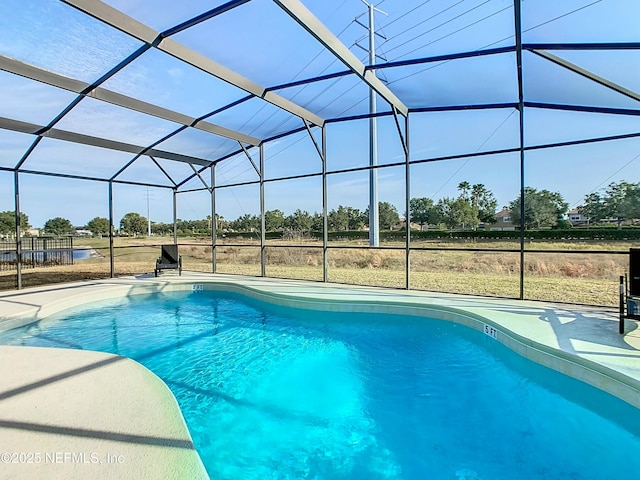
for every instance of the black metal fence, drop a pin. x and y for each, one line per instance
(37, 252)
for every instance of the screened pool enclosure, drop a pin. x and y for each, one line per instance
(308, 108)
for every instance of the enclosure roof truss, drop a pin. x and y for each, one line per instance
(130, 26)
(211, 126)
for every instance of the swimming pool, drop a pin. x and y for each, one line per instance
(269, 392)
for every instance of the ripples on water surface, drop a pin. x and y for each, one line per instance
(270, 393)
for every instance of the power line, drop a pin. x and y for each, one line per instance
(459, 30)
(609, 178)
(477, 150)
(562, 16)
(322, 50)
(334, 82)
(501, 40)
(343, 94)
(405, 14)
(544, 23)
(439, 64)
(418, 72)
(234, 163)
(426, 20)
(440, 24)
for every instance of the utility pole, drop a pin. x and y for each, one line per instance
(374, 221)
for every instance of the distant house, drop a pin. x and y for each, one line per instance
(24, 232)
(80, 232)
(576, 218)
(503, 221)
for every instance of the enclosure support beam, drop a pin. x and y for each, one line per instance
(246, 153)
(315, 144)
(322, 152)
(374, 213)
(16, 190)
(175, 216)
(403, 138)
(407, 202)
(112, 267)
(202, 180)
(42, 131)
(315, 27)
(163, 171)
(214, 220)
(263, 252)
(87, 90)
(584, 108)
(325, 201)
(153, 39)
(587, 74)
(518, 32)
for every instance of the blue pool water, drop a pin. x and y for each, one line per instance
(271, 393)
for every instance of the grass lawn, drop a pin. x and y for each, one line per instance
(588, 278)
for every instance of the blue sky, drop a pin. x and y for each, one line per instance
(259, 41)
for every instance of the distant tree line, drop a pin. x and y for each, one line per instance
(475, 205)
(619, 202)
(8, 222)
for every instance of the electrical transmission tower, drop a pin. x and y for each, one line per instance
(374, 221)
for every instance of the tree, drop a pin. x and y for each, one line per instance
(133, 223)
(422, 211)
(189, 227)
(464, 188)
(194, 226)
(99, 226)
(246, 223)
(8, 222)
(160, 228)
(387, 215)
(317, 222)
(541, 208)
(484, 202)
(457, 212)
(593, 208)
(339, 219)
(621, 201)
(58, 226)
(634, 201)
(475, 204)
(357, 219)
(273, 220)
(221, 223)
(563, 224)
(299, 221)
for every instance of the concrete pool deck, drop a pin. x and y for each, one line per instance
(96, 415)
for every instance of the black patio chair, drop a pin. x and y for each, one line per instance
(169, 259)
